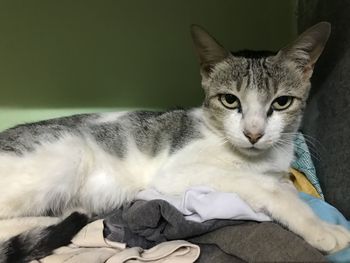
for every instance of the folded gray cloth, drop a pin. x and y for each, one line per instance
(147, 223)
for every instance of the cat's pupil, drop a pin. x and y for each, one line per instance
(230, 99)
(282, 100)
(269, 112)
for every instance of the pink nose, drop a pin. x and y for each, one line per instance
(253, 137)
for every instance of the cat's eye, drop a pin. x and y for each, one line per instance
(230, 101)
(282, 103)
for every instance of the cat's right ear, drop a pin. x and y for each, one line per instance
(208, 50)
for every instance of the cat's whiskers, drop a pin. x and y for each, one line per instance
(311, 147)
(281, 142)
(311, 142)
(279, 147)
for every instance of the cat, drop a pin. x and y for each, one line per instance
(240, 140)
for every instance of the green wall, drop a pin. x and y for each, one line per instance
(60, 57)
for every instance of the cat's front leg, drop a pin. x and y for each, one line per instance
(262, 193)
(285, 206)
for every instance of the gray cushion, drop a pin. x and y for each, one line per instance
(327, 117)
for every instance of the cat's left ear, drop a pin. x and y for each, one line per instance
(308, 47)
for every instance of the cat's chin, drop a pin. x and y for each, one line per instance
(250, 151)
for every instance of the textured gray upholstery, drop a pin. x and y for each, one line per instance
(327, 117)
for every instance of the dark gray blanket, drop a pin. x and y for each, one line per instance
(327, 117)
(146, 224)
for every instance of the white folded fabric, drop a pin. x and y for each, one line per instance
(203, 203)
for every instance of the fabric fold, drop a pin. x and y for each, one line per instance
(89, 246)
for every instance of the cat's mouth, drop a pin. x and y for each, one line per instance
(248, 148)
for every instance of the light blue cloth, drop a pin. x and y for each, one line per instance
(303, 162)
(331, 215)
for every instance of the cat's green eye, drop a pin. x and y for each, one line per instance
(229, 101)
(282, 103)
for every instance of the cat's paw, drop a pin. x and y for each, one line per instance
(327, 237)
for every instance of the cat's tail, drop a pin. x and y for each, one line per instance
(40, 242)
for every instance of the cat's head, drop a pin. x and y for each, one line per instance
(256, 99)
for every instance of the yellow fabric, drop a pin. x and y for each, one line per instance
(302, 183)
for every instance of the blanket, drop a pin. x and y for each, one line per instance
(148, 223)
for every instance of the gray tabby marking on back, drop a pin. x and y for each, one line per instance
(111, 137)
(26, 137)
(151, 131)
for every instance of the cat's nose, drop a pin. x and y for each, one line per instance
(253, 137)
